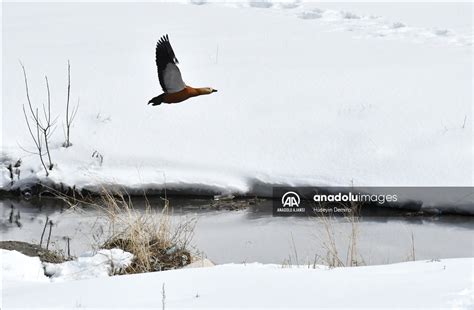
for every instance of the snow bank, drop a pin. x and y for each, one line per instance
(90, 265)
(19, 269)
(439, 284)
(309, 94)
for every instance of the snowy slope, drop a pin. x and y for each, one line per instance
(422, 284)
(309, 94)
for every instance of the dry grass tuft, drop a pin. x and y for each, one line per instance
(148, 234)
(328, 241)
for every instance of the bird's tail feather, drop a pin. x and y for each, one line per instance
(157, 100)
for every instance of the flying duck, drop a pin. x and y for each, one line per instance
(174, 88)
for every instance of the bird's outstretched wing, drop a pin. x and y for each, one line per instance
(168, 72)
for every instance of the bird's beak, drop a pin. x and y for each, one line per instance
(214, 90)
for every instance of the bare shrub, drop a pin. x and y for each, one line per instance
(42, 126)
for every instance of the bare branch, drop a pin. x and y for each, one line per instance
(29, 128)
(26, 150)
(46, 129)
(39, 144)
(73, 116)
(28, 91)
(48, 119)
(52, 132)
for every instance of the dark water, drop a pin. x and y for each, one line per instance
(245, 231)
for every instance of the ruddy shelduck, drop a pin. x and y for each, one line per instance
(174, 88)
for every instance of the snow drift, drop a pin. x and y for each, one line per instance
(423, 284)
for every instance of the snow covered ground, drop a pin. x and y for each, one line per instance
(309, 94)
(423, 284)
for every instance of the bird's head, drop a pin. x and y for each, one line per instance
(210, 90)
(205, 90)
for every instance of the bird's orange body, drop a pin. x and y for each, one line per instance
(185, 94)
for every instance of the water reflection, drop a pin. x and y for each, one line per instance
(238, 231)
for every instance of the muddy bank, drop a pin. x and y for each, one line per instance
(28, 249)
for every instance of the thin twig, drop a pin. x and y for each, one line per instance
(44, 229)
(69, 116)
(68, 248)
(163, 297)
(46, 129)
(49, 235)
(294, 249)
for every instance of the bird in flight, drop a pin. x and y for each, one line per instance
(174, 88)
